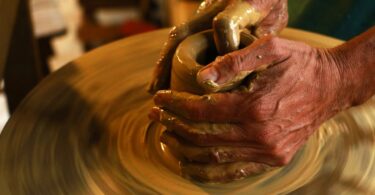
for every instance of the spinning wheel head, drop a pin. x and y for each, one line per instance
(85, 130)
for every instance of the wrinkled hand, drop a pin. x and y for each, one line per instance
(296, 91)
(227, 18)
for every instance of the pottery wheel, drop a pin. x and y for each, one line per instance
(84, 130)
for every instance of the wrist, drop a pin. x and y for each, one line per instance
(346, 80)
(332, 74)
(355, 65)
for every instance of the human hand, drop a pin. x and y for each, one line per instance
(296, 89)
(227, 18)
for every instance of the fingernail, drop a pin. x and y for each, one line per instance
(154, 114)
(160, 96)
(208, 74)
(157, 99)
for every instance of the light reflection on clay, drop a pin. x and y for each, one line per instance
(162, 146)
(228, 24)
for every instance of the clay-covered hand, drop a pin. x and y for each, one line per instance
(227, 18)
(296, 89)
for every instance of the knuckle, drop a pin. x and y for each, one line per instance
(283, 21)
(266, 142)
(275, 148)
(285, 18)
(280, 156)
(273, 42)
(232, 62)
(275, 151)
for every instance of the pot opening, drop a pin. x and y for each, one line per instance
(210, 53)
(207, 55)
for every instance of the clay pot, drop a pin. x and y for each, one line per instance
(193, 54)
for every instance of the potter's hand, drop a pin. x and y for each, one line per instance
(227, 18)
(301, 88)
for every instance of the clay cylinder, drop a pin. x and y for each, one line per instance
(194, 53)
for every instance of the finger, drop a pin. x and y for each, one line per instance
(287, 157)
(217, 154)
(223, 172)
(235, 66)
(182, 150)
(264, 6)
(211, 87)
(217, 108)
(274, 156)
(202, 134)
(205, 5)
(228, 24)
(200, 22)
(283, 152)
(275, 21)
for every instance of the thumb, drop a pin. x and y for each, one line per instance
(275, 21)
(227, 25)
(228, 71)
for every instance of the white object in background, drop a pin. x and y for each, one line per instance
(46, 17)
(114, 17)
(4, 114)
(67, 47)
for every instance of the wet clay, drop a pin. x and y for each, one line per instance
(85, 130)
(227, 18)
(192, 55)
(200, 22)
(228, 24)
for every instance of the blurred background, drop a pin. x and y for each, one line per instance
(73, 27)
(47, 34)
(38, 37)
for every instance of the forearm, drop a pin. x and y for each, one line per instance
(356, 62)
